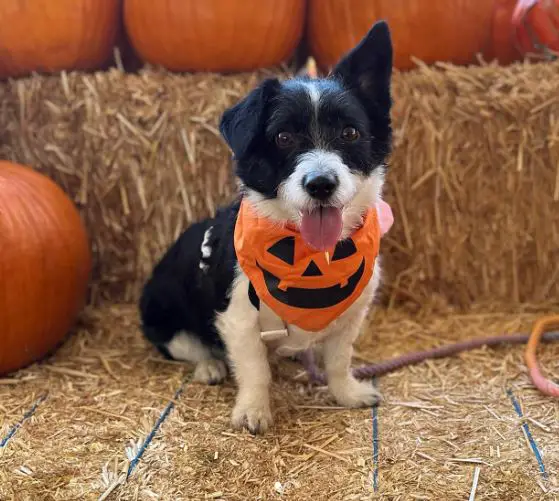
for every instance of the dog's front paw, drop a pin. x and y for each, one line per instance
(211, 371)
(356, 394)
(256, 418)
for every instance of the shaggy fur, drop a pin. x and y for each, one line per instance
(299, 145)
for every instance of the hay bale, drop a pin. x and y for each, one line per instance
(140, 154)
(475, 184)
(474, 177)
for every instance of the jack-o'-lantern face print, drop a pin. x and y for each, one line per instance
(315, 289)
(303, 286)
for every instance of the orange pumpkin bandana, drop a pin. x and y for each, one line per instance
(303, 286)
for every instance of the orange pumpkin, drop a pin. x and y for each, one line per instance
(503, 47)
(433, 30)
(536, 26)
(303, 286)
(44, 265)
(53, 35)
(214, 35)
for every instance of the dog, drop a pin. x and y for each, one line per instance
(310, 155)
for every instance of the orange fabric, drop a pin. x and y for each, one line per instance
(540, 381)
(302, 286)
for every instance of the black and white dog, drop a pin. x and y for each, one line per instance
(302, 147)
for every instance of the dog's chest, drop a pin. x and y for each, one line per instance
(242, 318)
(296, 341)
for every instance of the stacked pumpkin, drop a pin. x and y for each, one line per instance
(182, 35)
(54, 35)
(235, 35)
(437, 30)
(214, 35)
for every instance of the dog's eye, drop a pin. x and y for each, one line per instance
(285, 139)
(350, 134)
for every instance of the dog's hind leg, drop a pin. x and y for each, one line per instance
(209, 367)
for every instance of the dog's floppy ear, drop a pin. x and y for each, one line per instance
(242, 123)
(367, 69)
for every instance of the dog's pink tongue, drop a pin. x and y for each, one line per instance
(322, 227)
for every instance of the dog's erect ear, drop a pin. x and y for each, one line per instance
(242, 123)
(367, 68)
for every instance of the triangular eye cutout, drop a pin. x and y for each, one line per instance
(284, 249)
(312, 270)
(344, 249)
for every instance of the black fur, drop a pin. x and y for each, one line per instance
(180, 296)
(366, 72)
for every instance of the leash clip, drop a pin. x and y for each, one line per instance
(274, 335)
(272, 327)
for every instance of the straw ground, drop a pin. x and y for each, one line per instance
(107, 387)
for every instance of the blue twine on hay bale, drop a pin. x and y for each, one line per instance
(528, 433)
(162, 417)
(19, 424)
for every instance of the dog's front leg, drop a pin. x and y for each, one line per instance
(252, 374)
(338, 351)
(248, 356)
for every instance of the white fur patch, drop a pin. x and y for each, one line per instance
(206, 249)
(187, 347)
(292, 200)
(321, 162)
(210, 371)
(239, 329)
(314, 93)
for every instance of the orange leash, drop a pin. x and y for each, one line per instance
(540, 381)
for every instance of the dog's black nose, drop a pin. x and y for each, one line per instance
(320, 186)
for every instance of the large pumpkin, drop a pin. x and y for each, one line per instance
(53, 35)
(214, 35)
(429, 30)
(44, 265)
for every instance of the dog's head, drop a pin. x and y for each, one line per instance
(313, 152)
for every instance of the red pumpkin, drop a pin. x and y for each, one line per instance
(53, 35)
(44, 265)
(434, 30)
(536, 26)
(214, 35)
